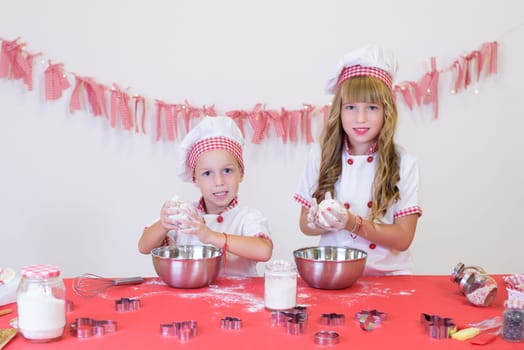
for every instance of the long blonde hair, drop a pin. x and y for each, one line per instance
(385, 191)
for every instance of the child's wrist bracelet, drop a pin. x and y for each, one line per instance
(355, 226)
(358, 223)
(224, 248)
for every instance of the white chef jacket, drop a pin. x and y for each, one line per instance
(354, 187)
(237, 220)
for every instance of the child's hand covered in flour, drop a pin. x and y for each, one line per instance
(332, 215)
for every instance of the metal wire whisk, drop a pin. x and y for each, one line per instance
(89, 285)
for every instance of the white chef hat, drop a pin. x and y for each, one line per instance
(211, 133)
(369, 60)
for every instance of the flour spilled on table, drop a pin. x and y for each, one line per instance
(218, 295)
(224, 296)
(375, 289)
(361, 289)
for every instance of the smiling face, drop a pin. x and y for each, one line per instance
(218, 176)
(362, 123)
(368, 113)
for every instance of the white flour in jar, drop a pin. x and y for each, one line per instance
(280, 294)
(280, 285)
(41, 316)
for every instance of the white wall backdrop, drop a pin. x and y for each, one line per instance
(76, 193)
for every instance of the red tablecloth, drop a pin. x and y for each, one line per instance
(403, 299)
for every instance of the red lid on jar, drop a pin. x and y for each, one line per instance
(40, 271)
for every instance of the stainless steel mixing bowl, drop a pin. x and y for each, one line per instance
(327, 267)
(188, 266)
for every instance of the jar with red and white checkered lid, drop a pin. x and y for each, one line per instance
(41, 303)
(40, 271)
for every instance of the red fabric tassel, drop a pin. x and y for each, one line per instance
(189, 112)
(139, 104)
(238, 116)
(26, 65)
(95, 96)
(209, 111)
(120, 106)
(55, 81)
(259, 123)
(404, 91)
(470, 59)
(15, 63)
(306, 122)
(489, 52)
(427, 91)
(459, 74)
(7, 57)
(279, 122)
(160, 106)
(167, 111)
(171, 126)
(493, 60)
(295, 117)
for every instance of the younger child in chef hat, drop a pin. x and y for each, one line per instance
(366, 185)
(210, 156)
(212, 133)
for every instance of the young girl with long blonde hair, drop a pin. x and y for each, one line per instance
(365, 184)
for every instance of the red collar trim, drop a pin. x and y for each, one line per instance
(202, 205)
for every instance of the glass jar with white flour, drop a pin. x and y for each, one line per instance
(41, 303)
(280, 285)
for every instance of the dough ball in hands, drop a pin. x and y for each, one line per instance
(332, 214)
(184, 211)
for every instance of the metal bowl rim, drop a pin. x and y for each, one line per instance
(155, 255)
(329, 261)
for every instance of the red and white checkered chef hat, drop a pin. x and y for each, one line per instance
(211, 133)
(369, 60)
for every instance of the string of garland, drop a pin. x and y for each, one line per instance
(131, 111)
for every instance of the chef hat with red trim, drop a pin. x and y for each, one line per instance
(369, 60)
(210, 134)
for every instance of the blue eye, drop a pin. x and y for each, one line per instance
(206, 173)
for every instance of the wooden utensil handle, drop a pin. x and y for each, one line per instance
(5, 312)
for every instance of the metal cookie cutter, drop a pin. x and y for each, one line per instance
(295, 319)
(438, 327)
(85, 327)
(332, 319)
(369, 318)
(280, 318)
(183, 330)
(127, 304)
(231, 323)
(296, 324)
(326, 338)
